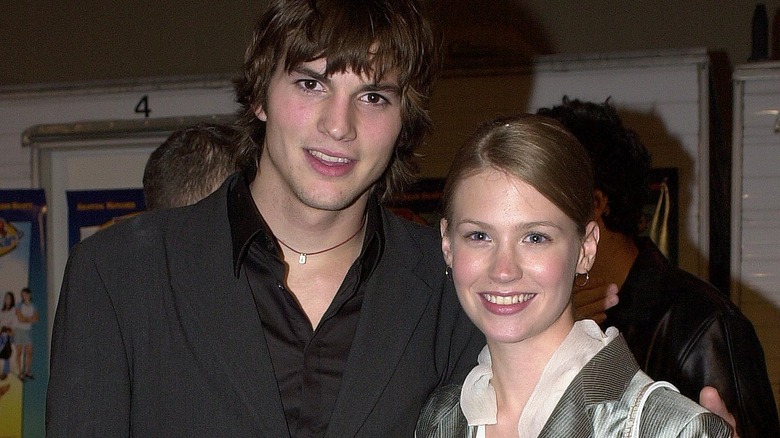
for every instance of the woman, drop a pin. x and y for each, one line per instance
(516, 233)
(27, 315)
(7, 324)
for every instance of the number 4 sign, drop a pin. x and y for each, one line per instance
(142, 107)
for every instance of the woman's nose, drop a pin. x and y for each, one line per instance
(506, 265)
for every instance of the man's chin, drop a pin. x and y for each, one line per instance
(334, 202)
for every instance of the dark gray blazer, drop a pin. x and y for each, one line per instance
(156, 337)
(596, 404)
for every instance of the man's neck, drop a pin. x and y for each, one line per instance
(616, 254)
(301, 226)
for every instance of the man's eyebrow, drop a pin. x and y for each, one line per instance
(306, 71)
(388, 87)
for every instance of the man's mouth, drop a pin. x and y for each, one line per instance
(329, 158)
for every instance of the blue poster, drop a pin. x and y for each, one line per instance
(23, 330)
(90, 211)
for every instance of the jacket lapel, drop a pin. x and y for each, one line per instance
(387, 322)
(217, 309)
(569, 418)
(597, 388)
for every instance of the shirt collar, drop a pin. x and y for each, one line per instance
(247, 225)
(478, 397)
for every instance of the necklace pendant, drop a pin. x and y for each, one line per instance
(302, 258)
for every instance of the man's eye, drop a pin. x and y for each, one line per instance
(308, 84)
(374, 99)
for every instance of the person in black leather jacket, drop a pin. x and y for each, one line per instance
(679, 327)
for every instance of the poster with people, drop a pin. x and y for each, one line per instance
(23, 332)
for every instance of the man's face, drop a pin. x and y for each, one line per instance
(328, 139)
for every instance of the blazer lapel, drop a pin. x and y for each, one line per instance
(569, 419)
(387, 322)
(219, 312)
(591, 395)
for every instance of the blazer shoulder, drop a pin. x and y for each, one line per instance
(152, 231)
(407, 233)
(441, 415)
(668, 413)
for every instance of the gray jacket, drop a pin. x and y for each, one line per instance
(596, 404)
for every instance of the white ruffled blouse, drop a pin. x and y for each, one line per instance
(478, 398)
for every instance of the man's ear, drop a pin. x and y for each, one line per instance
(445, 242)
(600, 202)
(260, 113)
(588, 248)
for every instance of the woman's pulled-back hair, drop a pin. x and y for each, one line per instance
(536, 150)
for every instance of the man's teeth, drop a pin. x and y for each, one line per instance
(505, 300)
(329, 158)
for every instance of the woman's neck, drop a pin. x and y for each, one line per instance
(518, 367)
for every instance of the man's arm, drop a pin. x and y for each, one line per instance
(89, 386)
(728, 357)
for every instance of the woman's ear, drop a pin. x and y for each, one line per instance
(260, 113)
(445, 242)
(588, 247)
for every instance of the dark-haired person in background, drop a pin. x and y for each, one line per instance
(678, 327)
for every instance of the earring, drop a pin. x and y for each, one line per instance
(581, 284)
(448, 271)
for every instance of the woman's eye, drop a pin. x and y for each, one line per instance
(536, 238)
(478, 236)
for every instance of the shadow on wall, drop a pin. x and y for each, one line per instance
(668, 152)
(772, 45)
(774, 34)
(477, 33)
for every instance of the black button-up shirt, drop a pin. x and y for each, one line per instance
(308, 363)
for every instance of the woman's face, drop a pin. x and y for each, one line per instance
(7, 299)
(514, 255)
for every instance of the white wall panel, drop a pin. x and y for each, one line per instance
(755, 228)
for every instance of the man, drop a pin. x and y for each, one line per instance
(678, 327)
(189, 165)
(204, 321)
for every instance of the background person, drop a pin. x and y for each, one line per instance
(189, 165)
